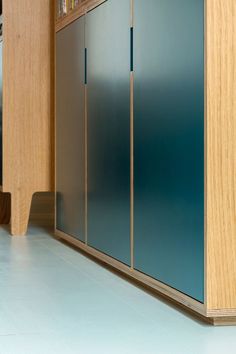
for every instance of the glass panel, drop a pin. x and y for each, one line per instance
(108, 48)
(169, 142)
(70, 130)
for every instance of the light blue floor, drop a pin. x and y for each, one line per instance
(55, 300)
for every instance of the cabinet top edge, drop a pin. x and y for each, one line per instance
(73, 15)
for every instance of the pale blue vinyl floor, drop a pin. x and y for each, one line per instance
(55, 300)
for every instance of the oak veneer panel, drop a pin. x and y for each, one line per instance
(28, 104)
(225, 321)
(221, 154)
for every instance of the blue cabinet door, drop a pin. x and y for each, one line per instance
(108, 98)
(169, 142)
(70, 130)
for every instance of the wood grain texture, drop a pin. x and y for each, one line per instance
(221, 154)
(224, 321)
(28, 106)
(81, 10)
(221, 313)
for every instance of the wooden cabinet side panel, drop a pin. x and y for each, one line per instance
(221, 154)
(27, 96)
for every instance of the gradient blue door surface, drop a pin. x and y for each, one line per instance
(70, 130)
(169, 142)
(108, 71)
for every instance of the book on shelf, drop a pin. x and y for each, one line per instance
(74, 4)
(65, 6)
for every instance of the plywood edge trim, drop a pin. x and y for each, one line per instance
(136, 275)
(217, 313)
(224, 321)
(77, 13)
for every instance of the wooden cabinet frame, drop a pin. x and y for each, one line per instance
(220, 169)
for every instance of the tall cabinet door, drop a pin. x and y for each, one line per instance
(108, 87)
(169, 142)
(70, 130)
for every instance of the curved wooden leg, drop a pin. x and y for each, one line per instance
(5, 208)
(20, 211)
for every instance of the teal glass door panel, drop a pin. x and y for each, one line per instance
(108, 87)
(169, 142)
(70, 130)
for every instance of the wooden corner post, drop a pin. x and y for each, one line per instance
(221, 155)
(27, 104)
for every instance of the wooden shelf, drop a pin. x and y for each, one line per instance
(73, 15)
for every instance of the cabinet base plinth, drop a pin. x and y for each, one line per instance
(195, 308)
(147, 281)
(223, 321)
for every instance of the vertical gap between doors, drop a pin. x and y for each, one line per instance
(131, 138)
(86, 138)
